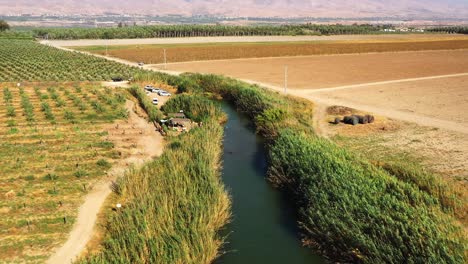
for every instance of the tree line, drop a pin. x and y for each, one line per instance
(450, 30)
(170, 31)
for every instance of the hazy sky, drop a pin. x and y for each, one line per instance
(319, 8)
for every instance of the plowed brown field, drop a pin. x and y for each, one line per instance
(154, 54)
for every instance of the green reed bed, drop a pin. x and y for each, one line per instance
(172, 206)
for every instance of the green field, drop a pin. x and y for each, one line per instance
(26, 60)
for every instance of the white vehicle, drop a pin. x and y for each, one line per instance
(164, 93)
(155, 101)
(149, 88)
(156, 90)
(141, 64)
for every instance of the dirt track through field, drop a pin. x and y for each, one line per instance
(149, 144)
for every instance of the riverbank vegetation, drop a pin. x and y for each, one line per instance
(172, 206)
(172, 31)
(369, 215)
(348, 208)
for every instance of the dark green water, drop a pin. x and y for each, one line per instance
(263, 228)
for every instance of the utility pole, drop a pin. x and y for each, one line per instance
(285, 78)
(165, 59)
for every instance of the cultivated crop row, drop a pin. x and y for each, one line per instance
(50, 154)
(26, 60)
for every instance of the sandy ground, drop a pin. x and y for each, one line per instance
(194, 40)
(443, 151)
(316, 72)
(137, 141)
(444, 98)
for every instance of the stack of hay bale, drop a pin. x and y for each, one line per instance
(357, 119)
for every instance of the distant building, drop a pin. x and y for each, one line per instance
(104, 24)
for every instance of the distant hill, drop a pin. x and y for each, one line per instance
(254, 8)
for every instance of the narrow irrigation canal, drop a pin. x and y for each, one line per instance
(263, 228)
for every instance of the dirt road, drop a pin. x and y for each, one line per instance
(138, 142)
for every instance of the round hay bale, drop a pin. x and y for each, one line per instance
(370, 118)
(360, 118)
(348, 120)
(365, 120)
(354, 120)
(336, 121)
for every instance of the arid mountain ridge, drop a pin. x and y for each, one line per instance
(243, 8)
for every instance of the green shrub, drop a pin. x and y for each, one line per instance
(196, 107)
(80, 173)
(103, 163)
(98, 107)
(11, 111)
(68, 115)
(50, 177)
(357, 212)
(426, 182)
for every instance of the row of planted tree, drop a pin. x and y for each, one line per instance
(169, 31)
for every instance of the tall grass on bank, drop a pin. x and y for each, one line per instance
(196, 107)
(357, 212)
(173, 206)
(348, 208)
(270, 111)
(145, 102)
(426, 182)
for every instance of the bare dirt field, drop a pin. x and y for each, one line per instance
(97, 42)
(316, 72)
(444, 98)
